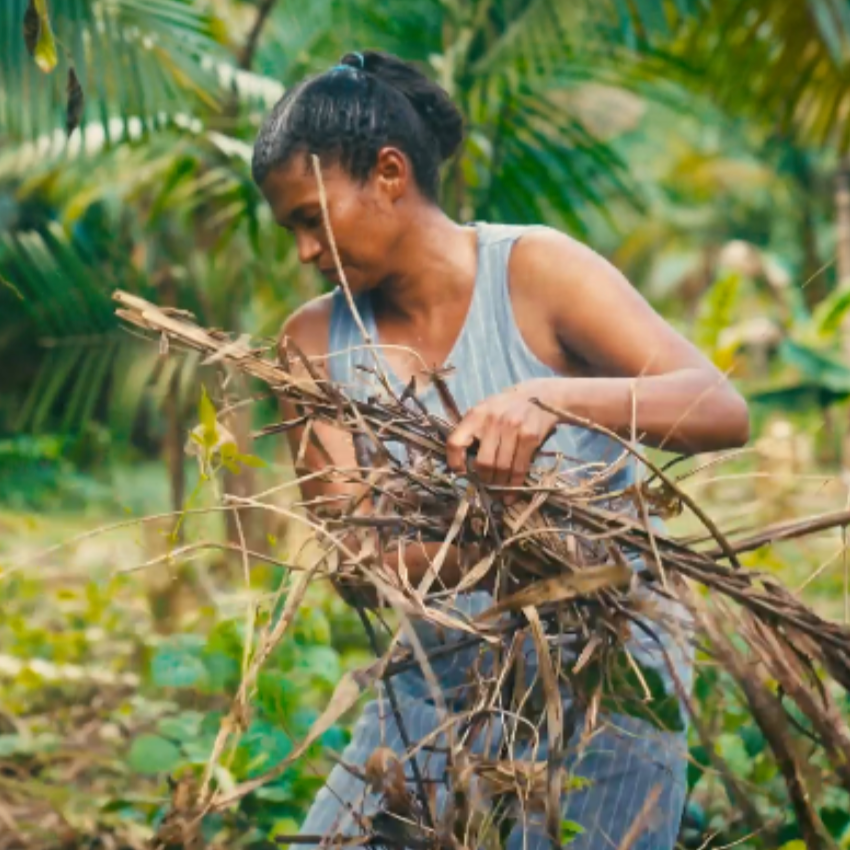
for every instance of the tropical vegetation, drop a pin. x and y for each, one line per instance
(700, 144)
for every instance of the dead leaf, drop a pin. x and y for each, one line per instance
(554, 721)
(75, 102)
(32, 28)
(385, 775)
(558, 589)
(477, 573)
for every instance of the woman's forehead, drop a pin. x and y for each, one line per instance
(293, 185)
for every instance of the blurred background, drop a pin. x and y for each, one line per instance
(698, 144)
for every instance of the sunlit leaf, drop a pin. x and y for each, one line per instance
(209, 423)
(10, 285)
(829, 314)
(251, 460)
(45, 49)
(570, 830)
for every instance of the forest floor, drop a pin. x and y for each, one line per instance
(110, 679)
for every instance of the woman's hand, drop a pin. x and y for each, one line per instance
(509, 429)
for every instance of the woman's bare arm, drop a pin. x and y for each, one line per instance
(646, 376)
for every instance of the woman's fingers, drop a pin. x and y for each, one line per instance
(507, 441)
(486, 459)
(501, 474)
(462, 438)
(527, 444)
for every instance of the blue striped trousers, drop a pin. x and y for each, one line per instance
(635, 772)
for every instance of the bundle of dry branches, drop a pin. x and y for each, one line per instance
(569, 561)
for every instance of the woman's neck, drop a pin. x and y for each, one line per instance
(436, 261)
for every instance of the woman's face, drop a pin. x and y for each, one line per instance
(364, 218)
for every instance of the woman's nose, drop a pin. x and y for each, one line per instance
(309, 247)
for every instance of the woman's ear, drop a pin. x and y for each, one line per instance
(392, 173)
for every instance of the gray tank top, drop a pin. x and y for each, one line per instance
(489, 356)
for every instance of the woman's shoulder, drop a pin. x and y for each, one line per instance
(309, 326)
(545, 253)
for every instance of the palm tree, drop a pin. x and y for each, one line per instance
(155, 183)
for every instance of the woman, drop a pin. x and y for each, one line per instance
(520, 313)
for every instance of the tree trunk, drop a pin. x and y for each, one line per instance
(175, 437)
(175, 422)
(842, 256)
(842, 221)
(814, 276)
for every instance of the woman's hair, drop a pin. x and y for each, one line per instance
(347, 114)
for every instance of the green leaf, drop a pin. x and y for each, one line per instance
(817, 366)
(285, 826)
(754, 740)
(733, 751)
(45, 49)
(182, 727)
(321, 662)
(251, 460)
(207, 416)
(10, 285)
(277, 694)
(231, 466)
(177, 666)
(797, 397)
(717, 310)
(11, 745)
(697, 764)
(577, 783)
(570, 830)
(275, 794)
(836, 820)
(263, 746)
(312, 627)
(223, 671)
(829, 314)
(151, 754)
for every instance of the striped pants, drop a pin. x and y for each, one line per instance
(635, 789)
(636, 773)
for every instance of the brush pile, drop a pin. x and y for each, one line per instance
(568, 564)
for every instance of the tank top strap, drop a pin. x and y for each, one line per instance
(493, 296)
(348, 355)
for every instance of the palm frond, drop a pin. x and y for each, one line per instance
(787, 63)
(141, 60)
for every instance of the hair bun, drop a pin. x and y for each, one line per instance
(431, 102)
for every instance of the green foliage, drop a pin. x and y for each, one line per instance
(632, 688)
(717, 310)
(570, 831)
(574, 117)
(166, 724)
(153, 754)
